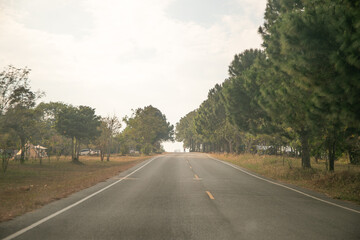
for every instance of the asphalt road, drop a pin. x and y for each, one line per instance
(189, 196)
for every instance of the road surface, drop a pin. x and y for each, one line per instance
(188, 196)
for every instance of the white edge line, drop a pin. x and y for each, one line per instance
(18, 233)
(281, 185)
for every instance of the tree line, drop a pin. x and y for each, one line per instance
(64, 129)
(299, 95)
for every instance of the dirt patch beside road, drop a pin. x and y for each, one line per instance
(26, 187)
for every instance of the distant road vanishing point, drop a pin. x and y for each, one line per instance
(189, 196)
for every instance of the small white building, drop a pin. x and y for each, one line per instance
(32, 151)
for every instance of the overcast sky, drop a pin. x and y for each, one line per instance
(118, 55)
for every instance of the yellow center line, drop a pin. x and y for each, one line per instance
(190, 166)
(210, 195)
(196, 176)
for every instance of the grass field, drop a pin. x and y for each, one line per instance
(343, 183)
(26, 187)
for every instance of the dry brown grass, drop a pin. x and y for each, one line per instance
(343, 183)
(24, 188)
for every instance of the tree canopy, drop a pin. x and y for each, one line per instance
(148, 127)
(78, 123)
(302, 91)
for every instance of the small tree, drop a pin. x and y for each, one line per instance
(78, 123)
(24, 123)
(14, 87)
(17, 103)
(102, 140)
(148, 127)
(7, 145)
(113, 126)
(57, 144)
(109, 128)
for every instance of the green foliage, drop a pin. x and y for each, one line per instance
(47, 135)
(124, 143)
(14, 89)
(8, 142)
(208, 128)
(78, 123)
(321, 46)
(210, 115)
(242, 91)
(17, 101)
(312, 43)
(109, 128)
(147, 128)
(186, 132)
(352, 144)
(50, 111)
(302, 91)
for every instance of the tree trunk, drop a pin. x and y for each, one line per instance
(108, 151)
(108, 155)
(5, 160)
(102, 154)
(230, 147)
(305, 149)
(73, 149)
(22, 148)
(331, 154)
(237, 144)
(78, 151)
(249, 146)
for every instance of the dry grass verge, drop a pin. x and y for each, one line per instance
(24, 188)
(343, 183)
